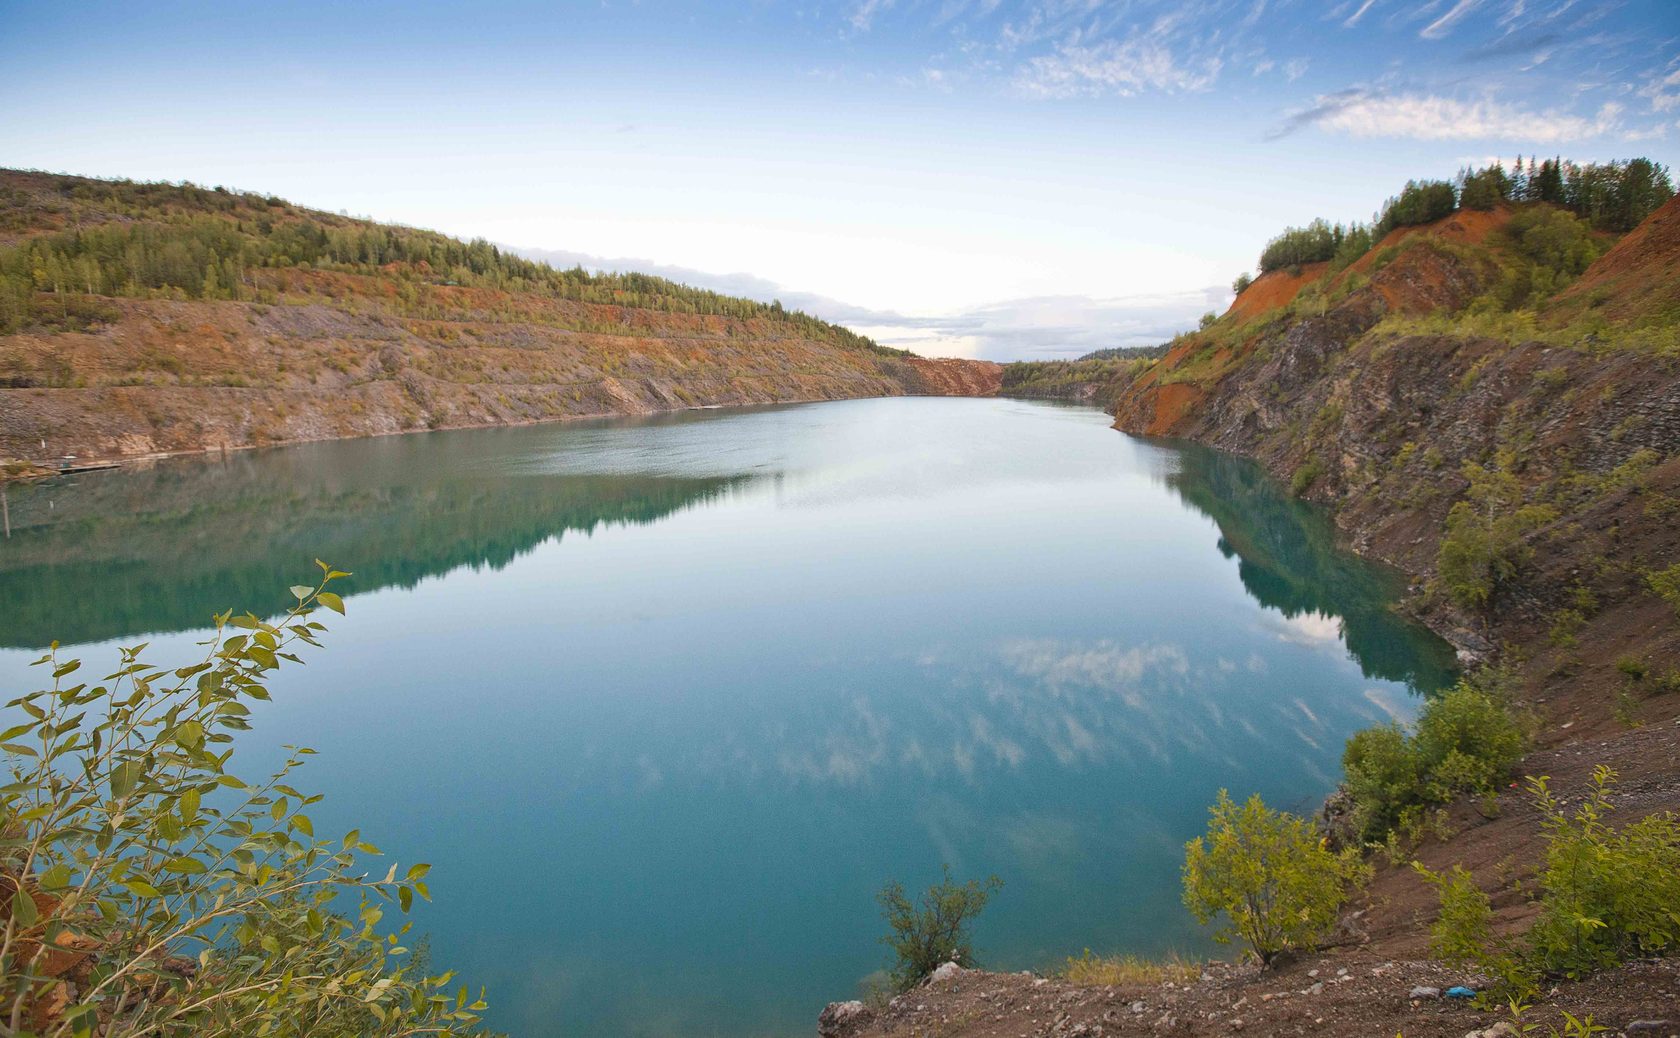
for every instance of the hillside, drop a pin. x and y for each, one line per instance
(145, 318)
(1490, 400)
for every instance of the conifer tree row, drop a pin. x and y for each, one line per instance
(189, 242)
(1612, 196)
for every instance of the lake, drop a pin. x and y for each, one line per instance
(666, 701)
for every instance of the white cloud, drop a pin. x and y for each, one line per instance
(1101, 665)
(1353, 19)
(1309, 630)
(863, 15)
(1110, 67)
(1361, 113)
(1663, 91)
(1031, 328)
(1443, 25)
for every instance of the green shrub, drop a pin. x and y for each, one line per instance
(1485, 544)
(1606, 895)
(1462, 935)
(1240, 285)
(1306, 476)
(925, 936)
(205, 905)
(1269, 874)
(1665, 583)
(1384, 774)
(1633, 668)
(1467, 740)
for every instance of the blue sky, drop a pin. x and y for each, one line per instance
(978, 178)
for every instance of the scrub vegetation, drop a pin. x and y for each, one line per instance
(1269, 875)
(1612, 196)
(1605, 896)
(149, 890)
(929, 932)
(183, 241)
(1466, 741)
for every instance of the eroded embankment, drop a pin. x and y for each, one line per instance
(168, 377)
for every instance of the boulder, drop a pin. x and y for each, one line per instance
(842, 1018)
(946, 972)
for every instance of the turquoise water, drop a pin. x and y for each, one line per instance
(666, 701)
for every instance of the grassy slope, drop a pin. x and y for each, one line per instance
(307, 351)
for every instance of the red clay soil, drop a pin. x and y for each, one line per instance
(955, 377)
(1172, 403)
(1636, 277)
(1273, 290)
(1465, 227)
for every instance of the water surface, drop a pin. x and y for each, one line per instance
(666, 701)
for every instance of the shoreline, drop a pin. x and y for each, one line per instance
(32, 470)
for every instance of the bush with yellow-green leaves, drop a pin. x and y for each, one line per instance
(148, 890)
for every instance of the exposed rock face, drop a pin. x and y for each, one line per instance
(315, 325)
(183, 376)
(1380, 425)
(839, 1019)
(953, 377)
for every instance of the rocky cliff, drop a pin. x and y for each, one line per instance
(1374, 388)
(150, 318)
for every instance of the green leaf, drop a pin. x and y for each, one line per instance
(331, 601)
(190, 735)
(23, 908)
(124, 776)
(185, 866)
(301, 591)
(141, 887)
(418, 871)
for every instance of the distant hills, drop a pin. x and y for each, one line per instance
(143, 318)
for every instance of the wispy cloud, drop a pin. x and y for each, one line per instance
(1353, 19)
(1366, 113)
(1121, 68)
(863, 15)
(1443, 26)
(1663, 89)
